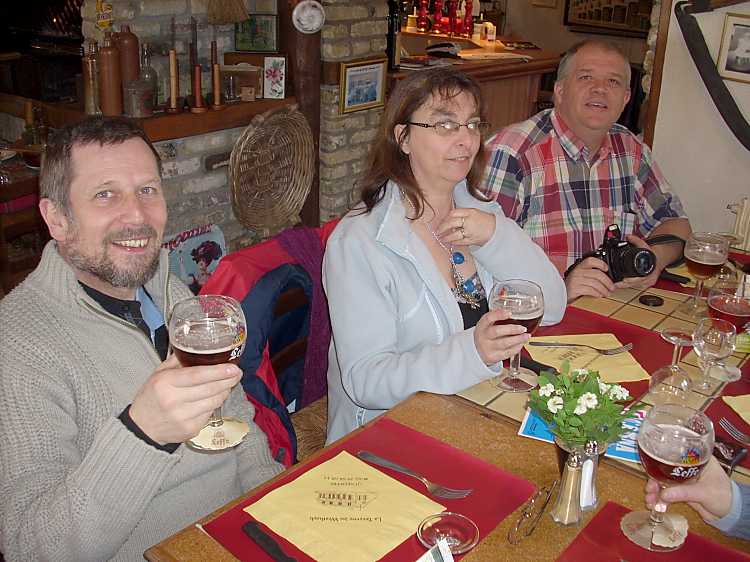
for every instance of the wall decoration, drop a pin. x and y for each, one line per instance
(362, 85)
(610, 17)
(195, 253)
(308, 16)
(733, 61)
(274, 74)
(259, 33)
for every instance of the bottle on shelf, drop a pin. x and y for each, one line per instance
(393, 48)
(148, 74)
(127, 43)
(91, 80)
(110, 78)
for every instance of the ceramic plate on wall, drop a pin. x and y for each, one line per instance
(308, 16)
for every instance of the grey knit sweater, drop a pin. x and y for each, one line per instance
(75, 483)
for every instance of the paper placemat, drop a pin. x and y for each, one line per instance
(603, 541)
(740, 404)
(496, 493)
(612, 368)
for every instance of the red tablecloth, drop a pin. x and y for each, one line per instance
(496, 492)
(603, 541)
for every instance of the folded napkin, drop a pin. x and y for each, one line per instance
(740, 404)
(344, 510)
(612, 368)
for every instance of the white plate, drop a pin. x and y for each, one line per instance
(6, 155)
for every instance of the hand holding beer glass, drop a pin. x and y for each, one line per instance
(525, 302)
(210, 330)
(675, 443)
(705, 253)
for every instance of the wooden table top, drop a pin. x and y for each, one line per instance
(491, 437)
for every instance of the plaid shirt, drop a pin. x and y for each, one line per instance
(563, 197)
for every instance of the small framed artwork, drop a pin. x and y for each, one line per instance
(259, 33)
(274, 75)
(544, 3)
(734, 55)
(362, 85)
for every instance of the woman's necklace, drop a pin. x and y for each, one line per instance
(465, 288)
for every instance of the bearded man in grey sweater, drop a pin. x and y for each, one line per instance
(92, 416)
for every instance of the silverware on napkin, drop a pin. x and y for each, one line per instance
(265, 541)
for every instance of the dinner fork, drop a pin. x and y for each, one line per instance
(435, 489)
(611, 351)
(727, 426)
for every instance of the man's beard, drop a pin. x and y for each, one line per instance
(101, 266)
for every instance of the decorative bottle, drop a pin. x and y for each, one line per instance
(127, 43)
(393, 48)
(148, 74)
(91, 80)
(110, 78)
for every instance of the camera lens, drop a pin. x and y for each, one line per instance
(643, 262)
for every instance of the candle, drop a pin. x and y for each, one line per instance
(174, 83)
(216, 86)
(214, 54)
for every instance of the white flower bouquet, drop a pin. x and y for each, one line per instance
(579, 407)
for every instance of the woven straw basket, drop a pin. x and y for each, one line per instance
(271, 169)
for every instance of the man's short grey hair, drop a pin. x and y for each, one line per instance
(564, 68)
(57, 169)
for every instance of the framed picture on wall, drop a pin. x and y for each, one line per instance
(631, 18)
(259, 33)
(274, 75)
(362, 85)
(734, 55)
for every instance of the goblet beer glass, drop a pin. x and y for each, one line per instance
(705, 253)
(525, 302)
(674, 443)
(209, 330)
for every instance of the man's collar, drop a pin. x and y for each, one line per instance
(573, 145)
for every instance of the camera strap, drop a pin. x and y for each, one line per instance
(668, 239)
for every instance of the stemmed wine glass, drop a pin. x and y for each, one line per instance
(209, 330)
(705, 253)
(674, 442)
(713, 340)
(729, 301)
(525, 302)
(672, 383)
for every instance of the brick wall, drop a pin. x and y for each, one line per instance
(196, 189)
(353, 30)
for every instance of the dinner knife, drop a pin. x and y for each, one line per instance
(265, 541)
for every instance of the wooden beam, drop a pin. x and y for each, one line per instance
(652, 107)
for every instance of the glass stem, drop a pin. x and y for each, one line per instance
(707, 364)
(698, 292)
(515, 365)
(216, 420)
(676, 355)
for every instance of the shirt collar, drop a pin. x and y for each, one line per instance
(574, 146)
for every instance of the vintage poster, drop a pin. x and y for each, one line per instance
(195, 253)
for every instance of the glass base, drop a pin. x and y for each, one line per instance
(692, 312)
(523, 381)
(726, 373)
(220, 437)
(666, 537)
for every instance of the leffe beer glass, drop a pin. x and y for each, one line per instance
(525, 302)
(675, 443)
(210, 330)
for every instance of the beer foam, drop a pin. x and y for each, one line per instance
(204, 351)
(707, 258)
(674, 448)
(533, 315)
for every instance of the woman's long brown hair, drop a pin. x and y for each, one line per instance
(389, 162)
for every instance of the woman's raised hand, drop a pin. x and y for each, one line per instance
(467, 227)
(495, 342)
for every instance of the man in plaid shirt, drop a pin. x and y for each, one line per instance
(566, 174)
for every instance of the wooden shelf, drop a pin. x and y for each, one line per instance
(161, 126)
(174, 126)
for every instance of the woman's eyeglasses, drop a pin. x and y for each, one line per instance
(448, 128)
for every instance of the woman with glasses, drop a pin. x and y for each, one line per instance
(407, 271)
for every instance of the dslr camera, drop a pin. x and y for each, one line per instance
(623, 258)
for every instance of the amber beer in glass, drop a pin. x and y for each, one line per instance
(704, 253)
(210, 330)
(732, 308)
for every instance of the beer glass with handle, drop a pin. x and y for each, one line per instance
(705, 253)
(674, 442)
(525, 302)
(209, 330)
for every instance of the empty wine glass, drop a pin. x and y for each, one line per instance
(713, 340)
(672, 384)
(705, 253)
(525, 302)
(674, 443)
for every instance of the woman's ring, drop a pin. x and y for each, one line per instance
(463, 222)
(462, 230)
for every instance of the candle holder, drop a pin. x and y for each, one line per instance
(198, 105)
(174, 105)
(437, 19)
(468, 23)
(423, 22)
(452, 5)
(216, 86)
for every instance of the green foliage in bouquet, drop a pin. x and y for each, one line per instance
(579, 407)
